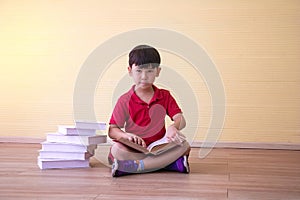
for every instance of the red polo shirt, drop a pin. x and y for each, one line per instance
(142, 119)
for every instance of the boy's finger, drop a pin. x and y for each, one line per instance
(140, 142)
(181, 134)
(144, 144)
(136, 140)
(175, 139)
(181, 137)
(130, 139)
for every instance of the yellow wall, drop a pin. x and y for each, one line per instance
(254, 44)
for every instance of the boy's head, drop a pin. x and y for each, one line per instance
(144, 56)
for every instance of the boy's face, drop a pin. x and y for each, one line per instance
(143, 77)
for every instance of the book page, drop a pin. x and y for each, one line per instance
(161, 141)
(154, 148)
(163, 145)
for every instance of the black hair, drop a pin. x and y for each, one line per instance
(143, 56)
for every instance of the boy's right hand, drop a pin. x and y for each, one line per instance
(135, 139)
(116, 133)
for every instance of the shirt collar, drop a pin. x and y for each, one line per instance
(157, 95)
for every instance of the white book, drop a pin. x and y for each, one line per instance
(62, 164)
(90, 125)
(72, 130)
(65, 155)
(66, 147)
(76, 139)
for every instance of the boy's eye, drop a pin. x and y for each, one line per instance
(139, 70)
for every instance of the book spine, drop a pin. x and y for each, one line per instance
(76, 131)
(61, 164)
(65, 155)
(91, 125)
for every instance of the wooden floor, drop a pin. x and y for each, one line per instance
(224, 174)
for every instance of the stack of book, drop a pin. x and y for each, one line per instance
(71, 146)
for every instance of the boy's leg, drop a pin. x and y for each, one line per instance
(163, 160)
(125, 160)
(150, 163)
(122, 152)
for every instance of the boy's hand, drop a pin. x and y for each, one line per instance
(135, 139)
(173, 135)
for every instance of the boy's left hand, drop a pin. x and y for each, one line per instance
(173, 135)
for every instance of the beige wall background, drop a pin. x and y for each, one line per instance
(254, 44)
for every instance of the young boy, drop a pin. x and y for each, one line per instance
(141, 111)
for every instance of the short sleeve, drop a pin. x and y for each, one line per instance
(172, 106)
(120, 113)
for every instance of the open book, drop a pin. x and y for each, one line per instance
(160, 146)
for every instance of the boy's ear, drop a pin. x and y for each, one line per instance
(158, 71)
(129, 70)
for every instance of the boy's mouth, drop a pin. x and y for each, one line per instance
(144, 83)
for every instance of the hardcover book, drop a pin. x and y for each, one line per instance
(54, 146)
(55, 163)
(76, 139)
(72, 130)
(65, 155)
(90, 125)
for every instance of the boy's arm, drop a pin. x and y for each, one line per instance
(179, 121)
(173, 129)
(116, 133)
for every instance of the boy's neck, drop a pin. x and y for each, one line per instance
(144, 94)
(144, 90)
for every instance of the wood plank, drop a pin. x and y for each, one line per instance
(223, 174)
(265, 195)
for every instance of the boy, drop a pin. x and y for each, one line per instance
(141, 111)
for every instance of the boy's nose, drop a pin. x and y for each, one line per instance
(144, 75)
